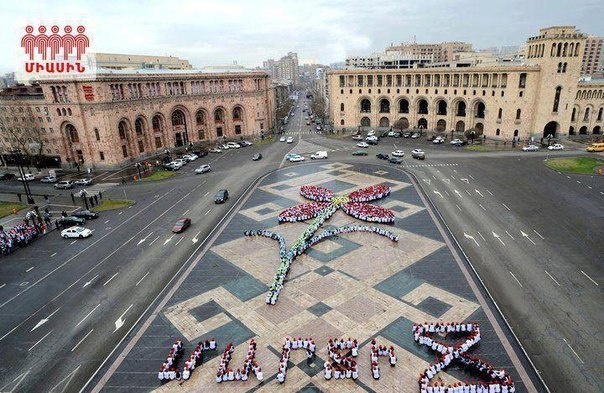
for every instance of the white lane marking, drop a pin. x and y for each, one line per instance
(482, 207)
(571, 348)
(458, 207)
(498, 238)
(591, 279)
(458, 194)
(207, 212)
(471, 237)
(87, 315)
(168, 240)
(153, 241)
(438, 193)
(20, 378)
(527, 237)
(112, 277)
(590, 187)
(29, 270)
(516, 280)
(426, 181)
(73, 242)
(601, 192)
(144, 239)
(141, 280)
(129, 207)
(489, 192)
(482, 237)
(195, 238)
(179, 240)
(206, 194)
(506, 206)
(186, 212)
(512, 237)
(44, 320)
(120, 213)
(2, 286)
(471, 177)
(40, 340)
(578, 182)
(465, 181)
(84, 338)
(568, 177)
(479, 193)
(187, 194)
(52, 255)
(447, 193)
(538, 234)
(90, 281)
(468, 192)
(120, 321)
(106, 221)
(552, 277)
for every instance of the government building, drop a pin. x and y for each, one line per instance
(539, 97)
(122, 116)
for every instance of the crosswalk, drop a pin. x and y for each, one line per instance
(302, 133)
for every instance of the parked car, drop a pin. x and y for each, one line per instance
(290, 140)
(357, 137)
(83, 182)
(359, 153)
(189, 157)
(319, 155)
(458, 142)
(363, 145)
(556, 146)
(371, 133)
(77, 232)
(181, 161)
(221, 196)
(415, 135)
(64, 185)
(72, 220)
(290, 155)
(224, 146)
(203, 169)
(86, 214)
(308, 122)
(398, 153)
(181, 224)
(171, 167)
(382, 156)
(282, 139)
(215, 150)
(7, 176)
(418, 153)
(438, 140)
(200, 153)
(256, 157)
(372, 142)
(406, 134)
(530, 148)
(296, 158)
(245, 143)
(233, 145)
(371, 138)
(394, 134)
(48, 179)
(431, 138)
(27, 177)
(395, 160)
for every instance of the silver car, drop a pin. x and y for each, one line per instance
(203, 169)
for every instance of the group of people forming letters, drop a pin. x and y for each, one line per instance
(344, 366)
(308, 344)
(169, 370)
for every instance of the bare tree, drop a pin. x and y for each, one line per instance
(30, 141)
(401, 124)
(473, 133)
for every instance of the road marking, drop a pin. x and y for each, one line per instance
(120, 213)
(207, 212)
(468, 192)
(479, 193)
(107, 282)
(143, 239)
(506, 206)
(452, 177)
(489, 192)
(482, 207)
(465, 181)
(527, 237)
(87, 315)
(498, 238)
(90, 282)
(106, 221)
(153, 241)
(20, 378)
(438, 193)
(84, 338)
(2, 286)
(73, 242)
(590, 187)
(44, 320)
(120, 321)
(458, 207)
(206, 194)
(168, 240)
(578, 182)
(179, 240)
(482, 237)
(550, 276)
(471, 177)
(427, 181)
(187, 194)
(186, 212)
(29, 270)
(591, 279)
(458, 194)
(471, 237)
(571, 348)
(447, 193)
(516, 280)
(195, 238)
(538, 234)
(568, 177)
(448, 181)
(39, 341)
(139, 281)
(601, 192)
(52, 255)
(510, 235)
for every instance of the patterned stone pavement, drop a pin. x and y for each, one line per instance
(358, 285)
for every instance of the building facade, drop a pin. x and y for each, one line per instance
(115, 61)
(442, 52)
(535, 99)
(285, 70)
(593, 57)
(121, 117)
(389, 60)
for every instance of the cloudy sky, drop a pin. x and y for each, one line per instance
(220, 32)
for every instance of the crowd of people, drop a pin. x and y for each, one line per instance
(169, 370)
(341, 366)
(499, 381)
(225, 373)
(19, 235)
(307, 344)
(352, 228)
(302, 212)
(376, 352)
(368, 212)
(370, 193)
(316, 193)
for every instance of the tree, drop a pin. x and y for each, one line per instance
(472, 133)
(30, 141)
(317, 105)
(401, 124)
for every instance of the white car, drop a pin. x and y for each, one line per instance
(357, 137)
(181, 161)
(530, 148)
(398, 153)
(203, 169)
(215, 150)
(319, 155)
(290, 140)
(415, 135)
(190, 157)
(233, 145)
(456, 141)
(555, 146)
(77, 232)
(282, 139)
(176, 164)
(49, 179)
(438, 140)
(372, 138)
(363, 144)
(28, 177)
(392, 133)
(371, 133)
(224, 147)
(296, 158)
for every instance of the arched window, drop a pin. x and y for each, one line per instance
(139, 126)
(403, 106)
(122, 128)
(200, 118)
(553, 51)
(564, 67)
(557, 99)
(58, 112)
(573, 117)
(178, 118)
(497, 132)
(69, 111)
(565, 47)
(499, 113)
(219, 116)
(577, 49)
(157, 124)
(442, 107)
(384, 106)
(72, 133)
(559, 68)
(559, 52)
(342, 107)
(96, 134)
(342, 122)
(237, 115)
(365, 105)
(600, 113)
(570, 49)
(586, 115)
(461, 109)
(422, 107)
(518, 112)
(515, 132)
(480, 108)
(64, 112)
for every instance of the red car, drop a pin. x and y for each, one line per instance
(181, 225)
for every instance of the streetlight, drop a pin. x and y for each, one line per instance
(138, 168)
(30, 199)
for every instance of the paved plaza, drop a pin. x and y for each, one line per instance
(357, 285)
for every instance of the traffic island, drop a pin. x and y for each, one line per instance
(585, 165)
(8, 208)
(111, 204)
(159, 175)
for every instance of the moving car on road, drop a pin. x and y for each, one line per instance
(221, 196)
(438, 140)
(357, 137)
(77, 232)
(86, 214)
(364, 145)
(64, 185)
(282, 139)
(7, 176)
(595, 147)
(556, 146)
(256, 157)
(530, 148)
(48, 179)
(203, 169)
(83, 182)
(296, 158)
(233, 145)
(371, 138)
(382, 156)
(371, 133)
(395, 160)
(398, 153)
(181, 224)
(418, 153)
(359, 153)
(72, 220)
(27, 177)
(319, 155)
(290, 139)
(458, 142)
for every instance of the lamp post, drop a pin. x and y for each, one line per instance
(30, 199)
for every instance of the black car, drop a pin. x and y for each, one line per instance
(86, 214)
(395, 160)
(256, 157)
(382, 156)
(221, 196)
(200, 153)
(72, 220)
(371, 142)
(7, 176)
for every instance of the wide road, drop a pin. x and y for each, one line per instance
(66, 304)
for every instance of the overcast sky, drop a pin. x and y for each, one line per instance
(220, 32)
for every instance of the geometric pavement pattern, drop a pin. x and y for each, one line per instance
(356, 285)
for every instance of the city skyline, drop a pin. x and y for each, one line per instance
(245, 32)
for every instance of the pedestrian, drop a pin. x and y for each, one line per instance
(100, 195)
(123, 180)
(19, 196)
(91, 201)
(72, 198)
(46, 198)
(57, 224)
(96, 201)
(63, 213)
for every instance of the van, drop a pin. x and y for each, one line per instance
(319, 155)
(595, 147)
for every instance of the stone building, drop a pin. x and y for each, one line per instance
(120, 117)
(116, 61)
(593, 57)
(442, 52)
(536, 98)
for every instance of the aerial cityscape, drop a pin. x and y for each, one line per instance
(314, 197)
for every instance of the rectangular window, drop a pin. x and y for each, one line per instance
(157, 142)
(342, 80)
(379, 80)
(201, 134)
(237, 129)
(522, 81)
(102, 156)
(219, 131)
(124, 151)
(141, 146)
(80, 156)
